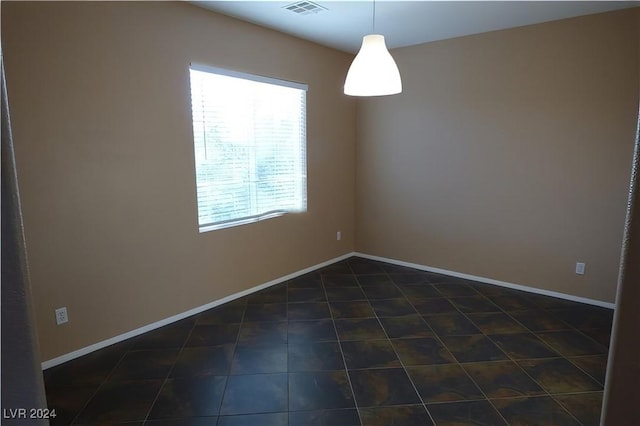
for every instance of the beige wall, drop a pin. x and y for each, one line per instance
(99, 98)
(507, 156)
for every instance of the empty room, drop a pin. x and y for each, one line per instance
(249, 213)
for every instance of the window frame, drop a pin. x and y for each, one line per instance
(260, 79)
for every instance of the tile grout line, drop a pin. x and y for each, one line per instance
(515, 361)
(100, 386)
(168, 375)
(339, 341)
(404, 368)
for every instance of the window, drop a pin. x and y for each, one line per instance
(249, 136)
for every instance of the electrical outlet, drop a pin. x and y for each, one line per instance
(61, 316)
(580, 268)
(338, 235)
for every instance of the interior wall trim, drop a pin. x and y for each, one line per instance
(490, 281)
(138, 331)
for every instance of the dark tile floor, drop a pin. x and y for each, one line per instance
(356, 343)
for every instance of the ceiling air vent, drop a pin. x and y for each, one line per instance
(305, 8)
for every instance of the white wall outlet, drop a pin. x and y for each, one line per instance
(338, 235)
(61, 316)
(580, 268)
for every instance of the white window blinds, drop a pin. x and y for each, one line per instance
(250, 146)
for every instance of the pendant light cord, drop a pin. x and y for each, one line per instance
(374, 16)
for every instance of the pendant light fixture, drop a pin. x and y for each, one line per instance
(373, 71)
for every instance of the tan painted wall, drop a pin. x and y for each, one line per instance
(507, 156)
(99, 97)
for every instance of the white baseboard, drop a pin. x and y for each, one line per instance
(138, 331)
(490, 281)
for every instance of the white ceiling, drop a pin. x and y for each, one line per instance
(404, 23)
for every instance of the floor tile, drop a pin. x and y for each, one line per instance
(341, 294)
(374, 280)
(167, 337)
(369, 354)
(419, 291)
(203, 361)
(407, 415)
(67, 402)
(477, 413)
(538, 410)
(276, 294)
(146, 364)
(225, 314)
(600, 335)
(557, 375)
(319, 390)
(338, 417)
(308, 310)
(392, 307)
(571, 343)
(266, 312)
(406, 327)
(336, 268)
(213, 335)
(315, 294)
(593, 365)
(473, 304)
(342, 280)
(382, 291)
(451, 325)
(443, 383)
(549, 302)
(311, 331)
(422, 351)
(496, 323)
(354, 309)
(257, 393)
(89, 370)
(256, 359)
(365, 267)
(269, 419)
(522, 346)
(120, 402)
(586, 407)
(434, 306)
(586, 317)
(359, 329)
(189, 397)
(539, 320)
(503, 379)
(270, 332)
(493, 291)
(455, 290)
(410, 277)
(474, 348)
(513, 302)
(373, 388)
(312, 280)
(315, 356)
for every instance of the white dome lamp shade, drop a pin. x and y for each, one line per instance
(373, 71)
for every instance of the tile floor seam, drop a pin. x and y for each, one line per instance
(232, 356)
(344, 361)
(168, 375)
(404, 368)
